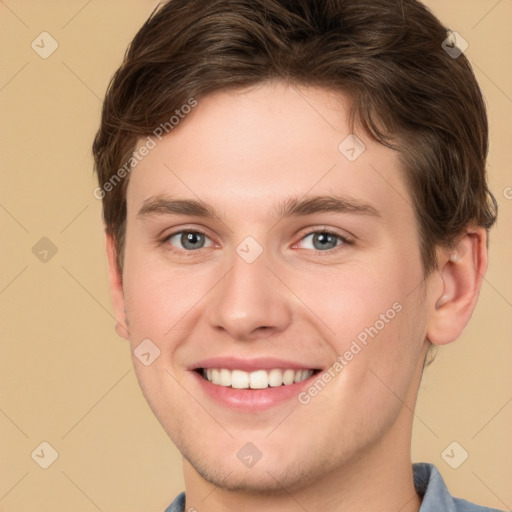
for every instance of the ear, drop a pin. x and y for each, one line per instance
(462, 270)
(116, 288)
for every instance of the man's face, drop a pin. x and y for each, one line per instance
(264, 253)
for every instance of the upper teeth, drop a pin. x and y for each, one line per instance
(259, 379)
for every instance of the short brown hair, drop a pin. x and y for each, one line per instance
(406, 92)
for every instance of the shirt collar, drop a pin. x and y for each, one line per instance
(429, 485)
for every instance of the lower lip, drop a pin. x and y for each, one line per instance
(252, 399)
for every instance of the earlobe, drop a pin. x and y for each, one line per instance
(122, 330)
(461, 269)
(116, 288)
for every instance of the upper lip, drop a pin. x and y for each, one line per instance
(260, 363)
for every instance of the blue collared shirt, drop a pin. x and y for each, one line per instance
(429, 485)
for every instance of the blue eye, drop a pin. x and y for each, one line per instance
(189, 240)
(322, 241)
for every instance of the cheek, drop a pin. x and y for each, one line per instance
(372, 321)
(380, 375)
(161, 300)
(352, 299)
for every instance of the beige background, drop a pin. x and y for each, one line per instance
(65, 376)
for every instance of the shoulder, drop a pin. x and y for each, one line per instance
(431, 487)
(178, 505)
(466, 506)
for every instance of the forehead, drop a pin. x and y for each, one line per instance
(247, 150)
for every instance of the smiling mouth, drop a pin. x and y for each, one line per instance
(258, 379)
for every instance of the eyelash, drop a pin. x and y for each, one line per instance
(164, 242)
(344, 241)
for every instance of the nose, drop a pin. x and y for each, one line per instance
(250, 302)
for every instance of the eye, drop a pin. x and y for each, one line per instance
(322, 241)
(189, 240)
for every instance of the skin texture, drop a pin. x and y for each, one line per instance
(244, 153)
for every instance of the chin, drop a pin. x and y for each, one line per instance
(268, 476)
(264, 480)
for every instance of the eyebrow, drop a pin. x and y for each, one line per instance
(296, 207)
(292, 207)
(160, 205)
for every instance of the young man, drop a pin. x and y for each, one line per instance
(296, 212)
